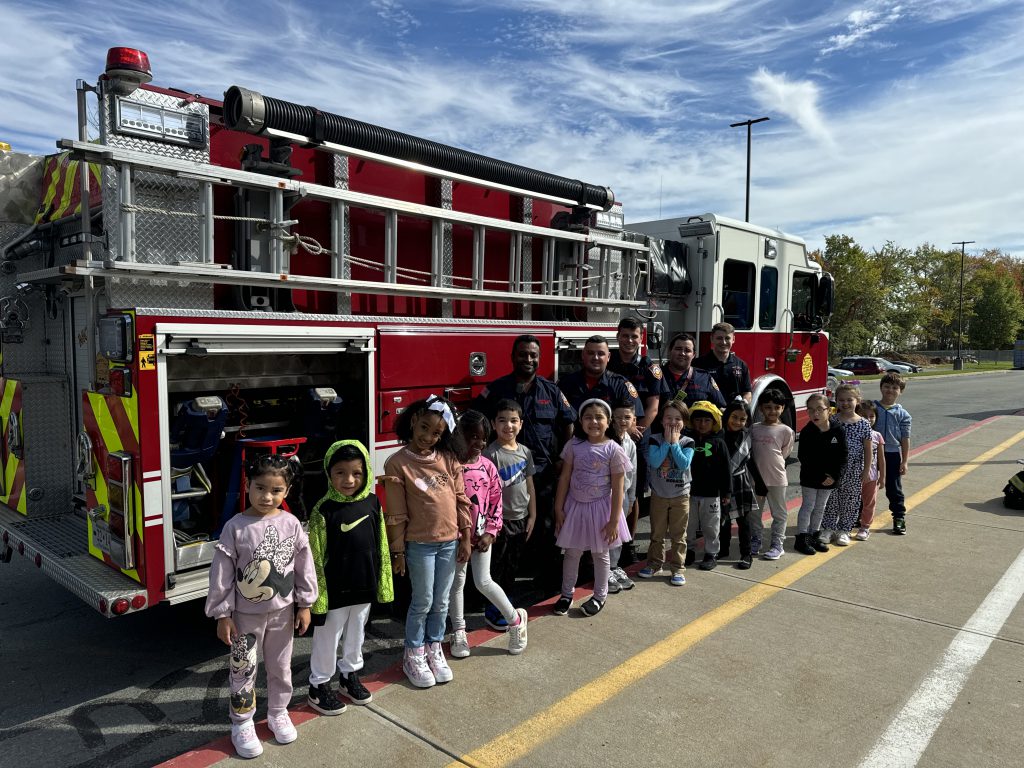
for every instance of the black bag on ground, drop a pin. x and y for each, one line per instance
(1013, 493)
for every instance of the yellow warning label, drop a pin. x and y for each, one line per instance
(147, 352)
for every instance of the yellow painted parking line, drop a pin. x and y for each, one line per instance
(520, 741)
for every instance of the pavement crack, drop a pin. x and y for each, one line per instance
(417, 734)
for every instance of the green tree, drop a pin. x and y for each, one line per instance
(906, 306)
(998, 309)
(859, 306)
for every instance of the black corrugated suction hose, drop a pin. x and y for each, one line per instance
(248, 111)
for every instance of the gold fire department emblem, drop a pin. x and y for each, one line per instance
(807, 367)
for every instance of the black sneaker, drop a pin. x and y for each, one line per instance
(708, 563)
(494, 619)
(354, 689)
(323, 700)
(899, 526)
(592, 607)
(744, 563)
(691, 555)
(561, 606)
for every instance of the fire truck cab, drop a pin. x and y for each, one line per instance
(208, 280)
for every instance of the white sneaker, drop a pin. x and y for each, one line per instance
(416, 668)
(282, 728)
(517, 633)
(613, 584)
(863, 534)
(842, 539)
(623, 579)
(438, 663)
(460, 644)
(247, 743)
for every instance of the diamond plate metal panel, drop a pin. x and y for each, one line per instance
(42, 337)
(61, 541)
(46, 423)
(447, 245)
(169, 235)
(339, 174)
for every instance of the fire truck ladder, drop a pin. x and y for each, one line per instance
(583, 279)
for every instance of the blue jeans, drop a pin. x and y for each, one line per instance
(431, 570)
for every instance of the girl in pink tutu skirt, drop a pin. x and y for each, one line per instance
(588, 503)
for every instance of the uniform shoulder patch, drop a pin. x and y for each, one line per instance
(631, 389)
(656, 371)
(565, 401)
(714, 384)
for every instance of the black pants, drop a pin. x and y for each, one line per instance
(507, 555)
(542, 557)
(725, 534)
(894, 484)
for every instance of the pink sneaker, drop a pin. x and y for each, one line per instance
(438, 663)
(245, 740)
(415, 667)
(282, 728)
(862, 534)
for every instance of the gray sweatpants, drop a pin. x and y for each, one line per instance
(706, 511)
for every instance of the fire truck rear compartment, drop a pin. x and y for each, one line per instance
(275, 402)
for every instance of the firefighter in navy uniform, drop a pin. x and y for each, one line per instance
(648, 379)
(595, 380)
(547, 425)
(686, 383)
(729, 371)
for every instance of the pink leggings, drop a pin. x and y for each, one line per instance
(272, 634)
(868, 493)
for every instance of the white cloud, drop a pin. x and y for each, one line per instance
(797, 100)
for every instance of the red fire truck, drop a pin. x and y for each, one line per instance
(205, 280)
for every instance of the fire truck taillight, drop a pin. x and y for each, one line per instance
(120, 381)
(120, 606)
(129, 64)
(139, 601)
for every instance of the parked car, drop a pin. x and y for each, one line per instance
(913, 368)
(891, 366)
(871, 366)
(839, 373)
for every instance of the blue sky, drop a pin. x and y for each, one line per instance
(899, 121)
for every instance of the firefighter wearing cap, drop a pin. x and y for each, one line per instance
(595, 380)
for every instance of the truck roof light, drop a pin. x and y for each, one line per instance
(127, 68)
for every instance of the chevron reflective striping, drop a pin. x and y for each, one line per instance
(127, 428)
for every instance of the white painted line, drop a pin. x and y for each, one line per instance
(907, 737)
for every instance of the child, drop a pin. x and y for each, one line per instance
(875, 476)
(771, 443)
(588, 502)
(514, 462)
(350, 553)
(894, 425)
(843, 505)
(483, 487)
(262, 583)
(428, 524)
(711, 482)
(742, 509)
(623, 422)
(668, 472)
(822, 456)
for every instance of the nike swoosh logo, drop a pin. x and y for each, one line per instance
(346, 527)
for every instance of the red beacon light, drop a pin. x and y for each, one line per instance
(127, 69)
(120, 606)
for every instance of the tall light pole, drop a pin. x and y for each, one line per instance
(748, 123)
(958, 364)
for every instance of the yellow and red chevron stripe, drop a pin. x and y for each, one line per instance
(113, 425)
(62, 192)
(13, 467)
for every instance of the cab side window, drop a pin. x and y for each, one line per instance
(768, 305)
(738, 294)
(803, 301)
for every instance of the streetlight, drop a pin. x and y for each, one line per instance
(748, 123)
(958, 364)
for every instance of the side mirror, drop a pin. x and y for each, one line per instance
(825, 299)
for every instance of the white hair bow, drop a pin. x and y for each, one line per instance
(434, 403)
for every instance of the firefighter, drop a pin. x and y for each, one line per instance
(595, 380)
(729, 371)
(547, 425)
(686, 383)
(649, 381)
